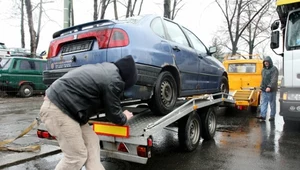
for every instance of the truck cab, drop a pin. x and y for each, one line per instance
(288, 25)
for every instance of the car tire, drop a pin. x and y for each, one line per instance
(224, 87)
(164, 94)
(209, 123)
(26, 91)
(189, 132)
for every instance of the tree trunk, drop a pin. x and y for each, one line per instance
(31, 28)
(95, 16)
(128, 8)
(141, 4)
(115, 9)
(39, 24)
(174, 9)
(105, 3)
(167, 12)
(22, 25)
(133, 7)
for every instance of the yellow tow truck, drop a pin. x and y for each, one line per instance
(244, 75)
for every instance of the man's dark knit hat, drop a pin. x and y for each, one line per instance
(127, 70)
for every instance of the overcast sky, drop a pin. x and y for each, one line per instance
(203, 17)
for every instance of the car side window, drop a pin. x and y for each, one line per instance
(158, 28)
(198, 45)
(27, 65)
(176, 33)
(44, 65)
(37, 65)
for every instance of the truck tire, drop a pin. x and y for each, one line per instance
(224, 87)
(164, 94)
(209, 123)
(26, 90)
(189, 131)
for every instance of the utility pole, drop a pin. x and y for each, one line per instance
(68, 13)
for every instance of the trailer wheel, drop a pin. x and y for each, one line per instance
(189, 132)
(209, 123)
(224, 87)
(26, 90)
(165, 94)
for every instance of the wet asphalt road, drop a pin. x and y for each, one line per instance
(241, 142)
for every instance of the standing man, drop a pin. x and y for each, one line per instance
(268, 88)
(75, 97)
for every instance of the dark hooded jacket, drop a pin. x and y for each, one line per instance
(269, 76)
(81, 92)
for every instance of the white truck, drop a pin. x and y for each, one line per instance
(289, 48)
(194, 118)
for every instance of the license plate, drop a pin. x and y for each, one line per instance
(77, 47)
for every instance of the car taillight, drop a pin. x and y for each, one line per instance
(118, 38)
(106, 38)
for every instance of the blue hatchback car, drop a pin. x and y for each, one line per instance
(172, 61)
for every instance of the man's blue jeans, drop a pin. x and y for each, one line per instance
(266, 98)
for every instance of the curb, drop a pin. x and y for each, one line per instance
(13, 158)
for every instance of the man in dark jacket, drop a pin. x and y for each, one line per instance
(75, 97)
(269, 87)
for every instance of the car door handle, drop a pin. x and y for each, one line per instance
(200, 56)
(175, 48)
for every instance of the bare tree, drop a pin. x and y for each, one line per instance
(233, 11)
(258, 30)
(169, 12)
(39, 24)
(219, 54)
(104, 5)
(130, 7)
(22, 25)
(31, 28)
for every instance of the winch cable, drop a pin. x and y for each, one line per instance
(30, 148)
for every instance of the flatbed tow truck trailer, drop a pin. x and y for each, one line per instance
(195, 118)
(289, 48)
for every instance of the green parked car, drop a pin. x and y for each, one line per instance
(22, 75)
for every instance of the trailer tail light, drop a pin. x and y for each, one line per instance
(122, 147)
(242, 107)
(145, 151)
(106, 38)
(44, 134)
(149, 142)
(142, 151)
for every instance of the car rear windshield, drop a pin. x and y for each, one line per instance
(242, 68)
(4, 64)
